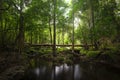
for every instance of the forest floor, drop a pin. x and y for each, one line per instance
(11, 67)
(108, 56)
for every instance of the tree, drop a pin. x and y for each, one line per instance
(73, 30)
(54, 29)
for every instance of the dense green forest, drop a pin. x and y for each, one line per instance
(59, 22)
(62, 31)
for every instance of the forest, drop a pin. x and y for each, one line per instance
(59, 39)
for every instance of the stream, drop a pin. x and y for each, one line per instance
(78, 71)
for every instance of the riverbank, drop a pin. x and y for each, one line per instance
(12, 66)
(110, 56)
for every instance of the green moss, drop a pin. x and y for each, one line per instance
(90, 53)
(83, 51)
(113, 52)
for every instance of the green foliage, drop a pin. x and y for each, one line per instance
(61, 59)
(90, 53)
(38, 22)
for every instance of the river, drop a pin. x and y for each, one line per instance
(77, 71)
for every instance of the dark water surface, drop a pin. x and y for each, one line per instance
(81, 71)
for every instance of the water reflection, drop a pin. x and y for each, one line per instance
(65, 72)
(37, 71)
(72, 72)
(77, 72)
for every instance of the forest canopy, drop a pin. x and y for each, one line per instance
(59, 22)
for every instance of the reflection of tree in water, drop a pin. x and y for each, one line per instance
(65, 72)
(96, 71)
(85, 71)
(77, 72)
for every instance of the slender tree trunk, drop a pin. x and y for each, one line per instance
(63, 35)
(73, 35)
(58, 37)
(31, 37)
(20, 37)
(21, 34)
(2, 32)
(50, 31)
(39, 37)
(92, 25)
(54, 30)
(5, 30)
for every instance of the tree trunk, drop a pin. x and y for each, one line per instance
(54, 30)
(58, 37)
(20, 37)
(50, 31)
(73, 35)
(92, 25)
(31, 37)
(21, 34)
(63, 35)
(2, 32)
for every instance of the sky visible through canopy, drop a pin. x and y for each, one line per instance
(76, 20)
(68, 1)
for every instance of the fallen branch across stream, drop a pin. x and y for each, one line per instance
(58, 45)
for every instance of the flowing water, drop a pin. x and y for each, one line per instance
(81, 71)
